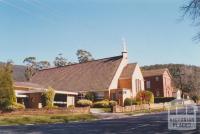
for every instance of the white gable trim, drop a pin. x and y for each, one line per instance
(137, 74)
(124, 62)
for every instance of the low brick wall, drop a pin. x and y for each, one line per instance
(77, 110)
(120, 109)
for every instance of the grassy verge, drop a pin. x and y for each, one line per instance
(146, 111)
(44, 119)
(107, 110)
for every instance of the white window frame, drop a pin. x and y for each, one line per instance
(148, 84)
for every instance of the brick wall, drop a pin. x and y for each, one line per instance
(120, 109)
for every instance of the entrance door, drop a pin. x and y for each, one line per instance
(70, 100)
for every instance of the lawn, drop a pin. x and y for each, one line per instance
(43, 119)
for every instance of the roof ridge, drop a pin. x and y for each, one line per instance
(82, 63)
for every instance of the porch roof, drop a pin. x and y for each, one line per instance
(35, 88)
(28, 85)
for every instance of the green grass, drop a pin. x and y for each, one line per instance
(44, 119)
(106, 109)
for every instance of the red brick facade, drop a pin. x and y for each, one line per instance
(159, 84)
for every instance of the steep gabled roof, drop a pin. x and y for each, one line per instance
(94, 75)
(128, 70)
(155, 72)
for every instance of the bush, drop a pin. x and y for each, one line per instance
(84, 103)
(112, 103)
(101, 104)
(195, 98)
(145, 97)
(163, 99)
(15, 106)
(71, 106)
(129, 102)
(48, 98)
(90, 96)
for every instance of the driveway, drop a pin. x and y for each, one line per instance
(146, 124)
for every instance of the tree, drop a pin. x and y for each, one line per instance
(192, 9)
(48, 98)
(145, 97)
(42, 65)
(7, 94)
(30, 61)
(60, 61)
(84, 56)
(31, 67)
(90, 96)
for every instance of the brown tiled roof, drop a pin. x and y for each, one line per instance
(27, 84)
(155, 72)
(90, 76)
(128, 70)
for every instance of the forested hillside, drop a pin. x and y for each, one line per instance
(190, 76)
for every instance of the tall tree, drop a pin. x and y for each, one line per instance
(192, 9)
(42, 65)
(7, 94)
(84, 56)
(30, 61)
(60, 61)
(31, 67)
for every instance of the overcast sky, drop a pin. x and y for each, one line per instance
(153, 29)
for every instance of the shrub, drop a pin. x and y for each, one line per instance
(101, 104)
(163, 99)
(145, 97)
(48, 98)
(15, 106)
(84, 103)
(129, 102)
(112, 103)
(90, 96)
(195, 98)
(71, 106)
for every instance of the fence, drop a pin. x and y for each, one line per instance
(120, 109)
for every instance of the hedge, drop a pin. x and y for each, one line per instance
(112, 103)
(129, 102)
(163, 99)
(84, 103)
(15, 106)
(101, 104)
